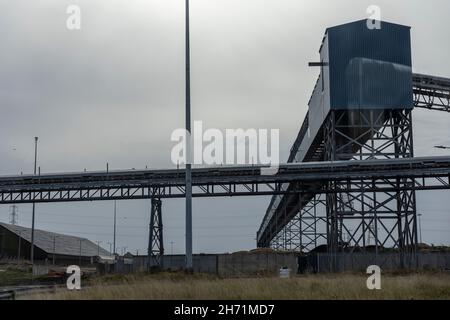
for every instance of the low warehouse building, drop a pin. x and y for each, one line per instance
(15, 243)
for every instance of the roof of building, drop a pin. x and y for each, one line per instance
(62, 244)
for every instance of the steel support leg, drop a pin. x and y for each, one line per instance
(155, 239)
(388, 218)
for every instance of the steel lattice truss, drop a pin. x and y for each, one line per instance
(302, 233)
(351, 135)
(431, 92)
(369, 135)
(377, 135)
(374, 134)
(156, 243)
(304, 178)
(363, 189)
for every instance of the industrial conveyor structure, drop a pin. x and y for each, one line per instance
(361, 109)
(351, 176)
(431, 173)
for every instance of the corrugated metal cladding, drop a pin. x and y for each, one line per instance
(61, 244)
(370, 69)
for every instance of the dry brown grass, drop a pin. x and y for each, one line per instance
(181, 287)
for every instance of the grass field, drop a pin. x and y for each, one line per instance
(180, 286)
(9, 277)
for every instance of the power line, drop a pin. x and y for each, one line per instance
(138, 236)
(142, 227)
(143, 218)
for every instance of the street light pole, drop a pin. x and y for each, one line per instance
(54, 249)
(18, 249)
(189, 264)
(171, 253)
(81, 240)
(34, 205)
(420, 228)
(115, 215)
(110, 248)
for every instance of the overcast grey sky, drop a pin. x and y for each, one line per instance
(114, 91)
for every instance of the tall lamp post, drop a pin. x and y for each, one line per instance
(110, 248)
(54, 248)
(81, 252)
(189, 264)
(34, 205)
(115, 224)
(18, 249)
(420, 227)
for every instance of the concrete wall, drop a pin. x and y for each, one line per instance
(247, 263)
(321, 262)
(237, 264)
(202, 263)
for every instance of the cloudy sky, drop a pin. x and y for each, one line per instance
(114, 91)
